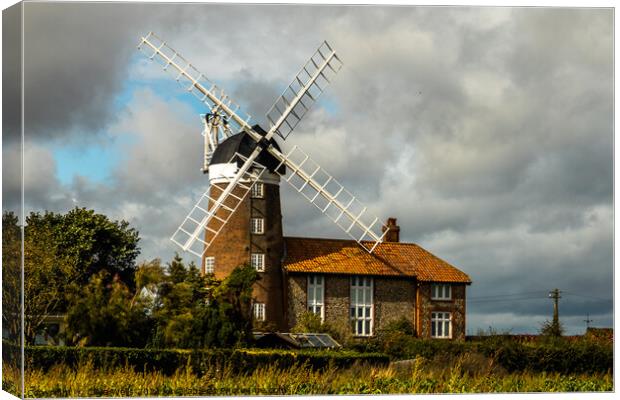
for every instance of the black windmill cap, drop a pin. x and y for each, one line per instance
(244, 144)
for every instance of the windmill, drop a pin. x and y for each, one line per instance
(213, 211)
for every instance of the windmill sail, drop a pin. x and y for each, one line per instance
(309, 83)
(315, 82)
(193, 80)
(331, 198)
(211, 213)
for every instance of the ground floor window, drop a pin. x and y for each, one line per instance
(259, 311)
(316, 293)
(441, 325)
(361, 305)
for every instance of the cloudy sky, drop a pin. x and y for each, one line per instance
(486, 131)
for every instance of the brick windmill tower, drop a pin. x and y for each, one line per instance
(238, 219)
(253, 234)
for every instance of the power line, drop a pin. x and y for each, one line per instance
(503, 300)
(584, 295)
(540, 292)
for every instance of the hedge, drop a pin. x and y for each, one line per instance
(168, 361)
(563, 356)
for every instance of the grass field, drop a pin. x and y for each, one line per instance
(466, 375)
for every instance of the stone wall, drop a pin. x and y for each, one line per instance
(393, 298)
(296, 285)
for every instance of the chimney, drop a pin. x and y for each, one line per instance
(393, 234)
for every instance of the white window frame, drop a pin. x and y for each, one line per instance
(441, 321)
(209, 265)
(316, 295)
(258, 190)
(258, 261)
(361, 310)
(257, 226)
(441, 291)
(259, 311)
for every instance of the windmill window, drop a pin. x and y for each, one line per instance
(258, 262)
(441, 292)
(441, 325)
(361, 310)
(258, 190)
(209, 265)
(258, 226)
(259, 311)
(316, 294)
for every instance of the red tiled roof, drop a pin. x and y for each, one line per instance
(335, 256)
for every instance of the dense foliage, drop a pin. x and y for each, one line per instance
(559, 355)
(61, 253)
(311, 322)
(82, 264)
(195, 311)
(104, 313)
(171, 306)
(89, 242)
(11, 275)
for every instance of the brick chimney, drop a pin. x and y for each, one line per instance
(393, 234)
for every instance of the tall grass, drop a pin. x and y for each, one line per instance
(467, 374)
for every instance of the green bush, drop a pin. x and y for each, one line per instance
(581, 356)
(168, 361)
(563, 357)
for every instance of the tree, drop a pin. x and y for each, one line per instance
(11, 275)
(60, 251)
(92, 242)
(200, 311)
(180, 293)
(233, 302)
(45, 275)
(177, 270)
(552, 329)
(107, 314)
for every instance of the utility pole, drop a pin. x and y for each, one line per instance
(555, 295)
(587, 321)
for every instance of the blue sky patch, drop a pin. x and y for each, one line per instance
(94, 161)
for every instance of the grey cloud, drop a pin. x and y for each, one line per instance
(486, 131)
(75, 59)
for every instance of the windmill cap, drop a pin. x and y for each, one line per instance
(244, 144)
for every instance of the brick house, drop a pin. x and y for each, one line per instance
(334, 278)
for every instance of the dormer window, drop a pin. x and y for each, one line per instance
(441, 291)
